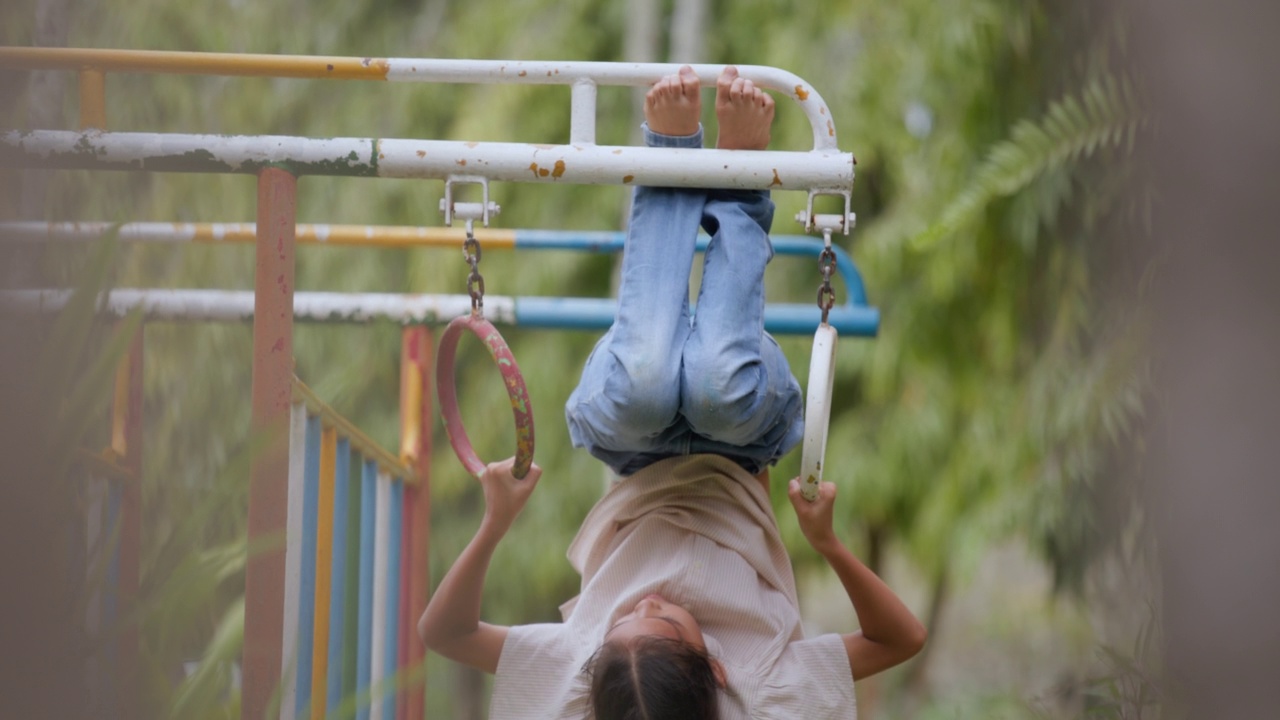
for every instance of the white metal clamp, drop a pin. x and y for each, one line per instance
(842, 223)
(469, 211)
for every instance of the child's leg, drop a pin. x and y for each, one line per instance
(629, 393)
(737, 388)
(737, 385)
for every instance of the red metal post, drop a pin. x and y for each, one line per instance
(126, 443)
(272, 390)
(416, 371)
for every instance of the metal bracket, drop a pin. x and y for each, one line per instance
(468, 211)
(826, 222)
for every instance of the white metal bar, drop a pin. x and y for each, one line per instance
(381, 549)
(582, 113)
(307, 233)
(397, 158)
(293, 561)
(614, 74)
(30, 231)
(237, 305)
(430, 70)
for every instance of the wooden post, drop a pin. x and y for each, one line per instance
(272, 393)
(416, 371)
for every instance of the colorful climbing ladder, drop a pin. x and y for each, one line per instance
(349, 621)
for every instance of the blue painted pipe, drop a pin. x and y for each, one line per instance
(854, 317)
(779, 318)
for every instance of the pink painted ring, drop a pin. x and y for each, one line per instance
(448, 393)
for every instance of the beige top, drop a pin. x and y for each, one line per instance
(700, 531)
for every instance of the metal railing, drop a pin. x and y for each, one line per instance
(823, 168)
(853, 317)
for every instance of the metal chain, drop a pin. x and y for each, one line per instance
(475, 281)
(827, 264)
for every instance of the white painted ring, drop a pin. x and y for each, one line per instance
(817, 411)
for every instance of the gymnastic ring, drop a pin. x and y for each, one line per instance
(817, 410)
(446, 390)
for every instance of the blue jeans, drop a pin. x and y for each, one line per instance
(663, 382)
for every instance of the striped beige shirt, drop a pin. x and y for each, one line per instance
(700, 531)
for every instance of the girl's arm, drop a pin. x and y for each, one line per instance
(451, 623)
(889, 633)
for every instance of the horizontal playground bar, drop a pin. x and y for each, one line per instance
(390, 236)
(360, 442)
(386, 236)
(238, 305)
(779, 318)
(433, 159)
(428, 70)
(541, 312)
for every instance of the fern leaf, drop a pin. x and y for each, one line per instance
(1104, 114)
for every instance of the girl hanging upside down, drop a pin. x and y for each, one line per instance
(688, 604)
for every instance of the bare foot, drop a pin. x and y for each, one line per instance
(745, 113)
(673, 105)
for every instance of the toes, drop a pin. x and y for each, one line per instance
(725, 81)
(736, 89)
(690, 85)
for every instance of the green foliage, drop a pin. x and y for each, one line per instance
(74, 367)
(1106, 114)
(203, 694)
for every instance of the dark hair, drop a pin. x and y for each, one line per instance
(652, 678)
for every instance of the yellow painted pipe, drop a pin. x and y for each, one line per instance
(194, 63)
(402, 236)
(120, 409)
(410, 409)
(324, 573)
(93, 99)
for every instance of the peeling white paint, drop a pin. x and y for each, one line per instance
(510, 162)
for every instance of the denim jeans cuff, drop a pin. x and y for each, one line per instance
(653, 139)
